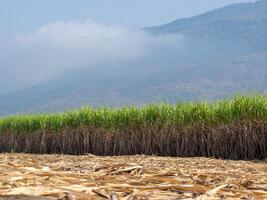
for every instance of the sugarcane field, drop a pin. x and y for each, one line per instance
(133, 100)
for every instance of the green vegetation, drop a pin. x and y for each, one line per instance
(240, 108)
(231, 129)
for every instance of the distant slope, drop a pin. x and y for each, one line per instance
(240, 27)
(225, 52)
(242, 11)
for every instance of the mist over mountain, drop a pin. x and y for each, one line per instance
(210, 56)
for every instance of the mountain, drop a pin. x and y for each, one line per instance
(238, 28)
(224, 52)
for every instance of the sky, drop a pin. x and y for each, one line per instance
(20, 16)
(40, 40)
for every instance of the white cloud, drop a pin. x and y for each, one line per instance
(62, 46)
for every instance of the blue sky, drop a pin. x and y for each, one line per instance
(20, 16)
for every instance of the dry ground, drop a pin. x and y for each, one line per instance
(51, 177)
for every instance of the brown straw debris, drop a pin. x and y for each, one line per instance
(62, 177)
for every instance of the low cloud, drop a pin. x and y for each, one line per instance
(61, 46)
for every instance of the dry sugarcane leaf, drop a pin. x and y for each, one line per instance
(129, 170)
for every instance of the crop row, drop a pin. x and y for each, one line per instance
(223, 112)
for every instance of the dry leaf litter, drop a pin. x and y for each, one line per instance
(62, 177)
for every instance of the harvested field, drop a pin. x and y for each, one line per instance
(51, 177)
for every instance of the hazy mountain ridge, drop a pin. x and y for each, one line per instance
(241, 11)
(224, 52)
